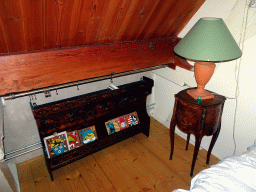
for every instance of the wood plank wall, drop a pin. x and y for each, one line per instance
(29, 25)
(46, 24)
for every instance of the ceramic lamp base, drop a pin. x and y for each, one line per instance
(203, 73)
(195, 93)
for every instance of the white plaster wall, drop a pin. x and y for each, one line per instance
(245, 130)
(7, 181)
(223, 82)
(4, 185)
(164, 91)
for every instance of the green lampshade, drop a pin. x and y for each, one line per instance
(208, 40)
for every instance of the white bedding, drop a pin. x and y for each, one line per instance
(236, 173)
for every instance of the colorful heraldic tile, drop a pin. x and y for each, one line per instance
(113, 126)
(88, 135)
(56, 144)
(73, 140)
(132, 119)
(123, 122)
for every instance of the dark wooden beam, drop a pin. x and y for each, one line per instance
(34, 70)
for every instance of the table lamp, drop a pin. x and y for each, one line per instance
(208, 41)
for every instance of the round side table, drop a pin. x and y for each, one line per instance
(199, 119)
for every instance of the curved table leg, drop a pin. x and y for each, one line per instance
(172, 128)
(197, 145)
(213, 141)
(188, 138)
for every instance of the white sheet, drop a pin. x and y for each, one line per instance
(237, 173)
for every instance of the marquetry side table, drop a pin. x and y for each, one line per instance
(199, 119)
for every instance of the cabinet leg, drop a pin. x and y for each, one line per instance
(198, 142)
(188, 138)
(51, 176)
(48, 168)
(145, 131)
(213, 141)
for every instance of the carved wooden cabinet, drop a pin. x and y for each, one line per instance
(199, 119)
(93, 109)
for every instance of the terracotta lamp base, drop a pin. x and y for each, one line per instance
(195, 93)
(203, 73)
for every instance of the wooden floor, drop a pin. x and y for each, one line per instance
(137, 164)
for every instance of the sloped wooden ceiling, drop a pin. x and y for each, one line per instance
(103, 36)
(46, 24)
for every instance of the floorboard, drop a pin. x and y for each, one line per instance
(139, 163)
